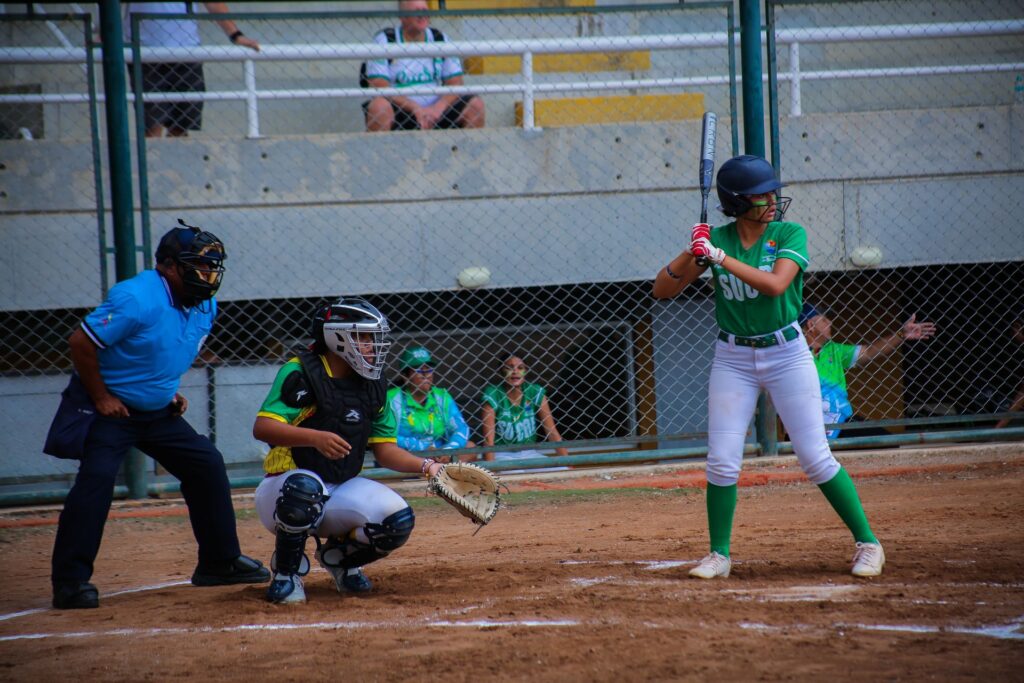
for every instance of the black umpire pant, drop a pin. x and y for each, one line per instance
(171, 441)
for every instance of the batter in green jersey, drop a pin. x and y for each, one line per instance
(757, 264)
(740, 308)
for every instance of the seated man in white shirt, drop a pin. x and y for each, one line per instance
(418, 111)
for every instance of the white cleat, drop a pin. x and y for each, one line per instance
(711, 566)
(286, 589)
(868, 560)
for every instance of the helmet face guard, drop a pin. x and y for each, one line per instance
(355, 331)
(198, 256)
(202, 266)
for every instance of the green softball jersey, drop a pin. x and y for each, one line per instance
(739, 308)
(279, 459)
(514, 424)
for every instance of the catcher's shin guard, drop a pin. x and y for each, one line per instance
(298, 509)
(391, 534)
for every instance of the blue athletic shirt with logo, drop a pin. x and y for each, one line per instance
(145, 343)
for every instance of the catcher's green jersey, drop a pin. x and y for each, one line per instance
(739, 308)
(279, 459)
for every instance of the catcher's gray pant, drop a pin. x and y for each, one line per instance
(351, 505)
(786, 371)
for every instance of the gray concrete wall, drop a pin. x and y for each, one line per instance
(869, 179)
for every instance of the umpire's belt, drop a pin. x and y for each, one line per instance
(788, 333)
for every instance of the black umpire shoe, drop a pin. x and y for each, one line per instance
(242, 569)
(76, 596)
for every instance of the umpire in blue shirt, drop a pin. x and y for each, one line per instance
(129, 355)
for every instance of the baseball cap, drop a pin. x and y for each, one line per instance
(415, 356)
(806, 313)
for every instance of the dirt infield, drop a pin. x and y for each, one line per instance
(582, 578)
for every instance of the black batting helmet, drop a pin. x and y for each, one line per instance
(742, 177)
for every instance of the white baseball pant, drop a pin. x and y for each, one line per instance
(786, 371)
(350, 506)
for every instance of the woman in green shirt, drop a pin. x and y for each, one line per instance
(757, 263)
(511, 413)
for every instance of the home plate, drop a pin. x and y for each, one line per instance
(797, 593)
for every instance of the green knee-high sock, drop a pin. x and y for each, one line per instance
(842, 494)
(721, 502)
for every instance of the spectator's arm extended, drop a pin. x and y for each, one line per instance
(229, 27)
(911, 330)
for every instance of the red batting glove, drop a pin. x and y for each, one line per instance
(700, 230)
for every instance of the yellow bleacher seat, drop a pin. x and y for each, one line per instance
(552, 63)
(509, 4)
(576, 111)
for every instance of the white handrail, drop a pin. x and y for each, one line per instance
(525, 48)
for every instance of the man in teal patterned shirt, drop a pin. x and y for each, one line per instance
(833, 359)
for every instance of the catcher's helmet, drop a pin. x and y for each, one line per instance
(199, 255)
(354, 330)
(741, 177)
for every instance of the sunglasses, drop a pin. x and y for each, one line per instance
(424, 371)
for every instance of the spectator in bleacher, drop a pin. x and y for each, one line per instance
(427, 416)
(1017, 333)
(175, 118)
(418, 111)
(832, 360)
(512, 412)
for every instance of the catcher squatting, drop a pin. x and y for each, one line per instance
(325, 407)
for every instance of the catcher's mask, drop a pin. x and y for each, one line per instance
(740, 178)
(199, 257)
(354, 330)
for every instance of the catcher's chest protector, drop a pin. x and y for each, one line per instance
(346, 407)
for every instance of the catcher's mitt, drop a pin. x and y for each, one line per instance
(470, 489)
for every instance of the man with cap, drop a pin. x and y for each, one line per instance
(428, 418)
(129, 355)
(832, 359)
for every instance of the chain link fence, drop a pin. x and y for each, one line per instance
(897, 130)
(56, 264)
(538, 232)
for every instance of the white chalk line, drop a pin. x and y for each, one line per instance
(794, 593)
(141, 589)
(321, 626)
(1011, 631)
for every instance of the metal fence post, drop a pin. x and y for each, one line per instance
(120, 183)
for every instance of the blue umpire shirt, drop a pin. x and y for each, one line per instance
(145, 342)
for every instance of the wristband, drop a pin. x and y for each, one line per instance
(235, 36)
(425, 467)
(671, 274)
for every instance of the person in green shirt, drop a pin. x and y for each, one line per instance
(325, 408)
(427, 416)
(832, 359)
(513, 411)
(756, 265)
